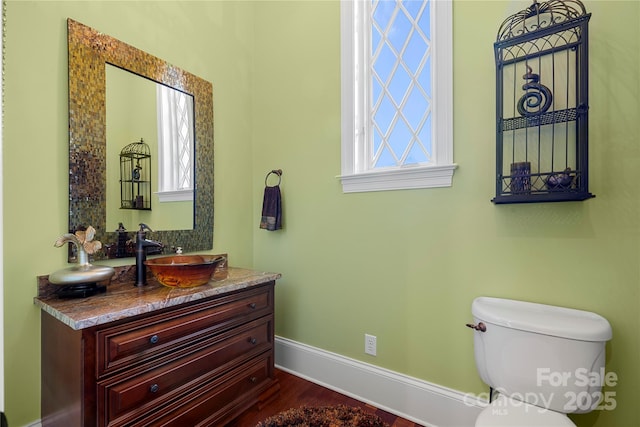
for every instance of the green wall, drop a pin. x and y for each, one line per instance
(402, 265)
(406, 265)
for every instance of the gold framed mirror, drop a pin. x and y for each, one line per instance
(89, 54)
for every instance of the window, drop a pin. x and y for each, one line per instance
(396, 94)
(175, 145)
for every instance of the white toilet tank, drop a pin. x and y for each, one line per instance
(548, 356)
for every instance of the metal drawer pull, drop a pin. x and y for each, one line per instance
(253, 340)
(154, 339)
(154, 388)
(252, 305)
(253, 379)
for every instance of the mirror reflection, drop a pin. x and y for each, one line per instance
(138, 108)
(185, 223)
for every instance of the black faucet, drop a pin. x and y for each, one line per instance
(142, 243)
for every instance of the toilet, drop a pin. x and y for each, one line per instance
(542, 362)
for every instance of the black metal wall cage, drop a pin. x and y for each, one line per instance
(542, 104)
(135, 176)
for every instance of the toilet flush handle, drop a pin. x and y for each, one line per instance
(479, 327)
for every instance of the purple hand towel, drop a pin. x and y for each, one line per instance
(271, 209)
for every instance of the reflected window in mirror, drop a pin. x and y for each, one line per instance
(175, 145)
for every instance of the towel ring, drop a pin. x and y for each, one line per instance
(277, 172)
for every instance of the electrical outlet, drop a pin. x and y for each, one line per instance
(370, 342)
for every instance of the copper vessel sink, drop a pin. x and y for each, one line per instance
(184, 271)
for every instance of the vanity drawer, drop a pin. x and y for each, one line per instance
(135, 342)
(211, 405)
(125, 397)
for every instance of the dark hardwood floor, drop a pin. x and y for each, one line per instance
(295, 392)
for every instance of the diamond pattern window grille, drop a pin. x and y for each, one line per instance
(175, 139)
(400, 83)
(183, 141)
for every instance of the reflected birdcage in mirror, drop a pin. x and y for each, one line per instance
(135, 176)
(542, 104)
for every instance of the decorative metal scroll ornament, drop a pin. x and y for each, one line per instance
(537, 98)
(539, 16)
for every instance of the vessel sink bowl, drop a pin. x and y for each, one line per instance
(184, 271)
(81, 274)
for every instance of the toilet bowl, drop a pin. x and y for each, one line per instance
(537, 359)
(507, 412)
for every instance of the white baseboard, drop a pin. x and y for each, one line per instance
(415, 400)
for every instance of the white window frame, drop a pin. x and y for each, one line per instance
(167, 156)
(355, 175)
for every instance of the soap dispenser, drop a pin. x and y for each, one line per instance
(121, 245)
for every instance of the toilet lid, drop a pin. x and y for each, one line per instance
(508, 412)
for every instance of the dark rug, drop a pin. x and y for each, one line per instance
(324, 416)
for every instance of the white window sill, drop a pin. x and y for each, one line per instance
(175, 196)
(399, 179)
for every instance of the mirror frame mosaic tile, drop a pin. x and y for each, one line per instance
(89, 51)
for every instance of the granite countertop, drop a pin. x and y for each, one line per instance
(122, 299)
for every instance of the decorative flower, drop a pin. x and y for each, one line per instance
(82, 239)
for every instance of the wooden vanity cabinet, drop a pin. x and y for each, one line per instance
(195, 364)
